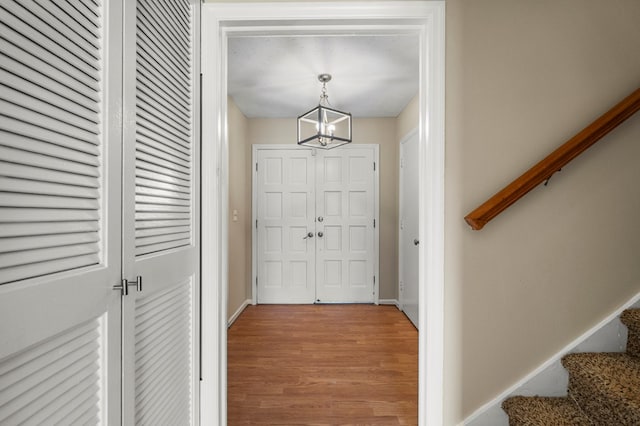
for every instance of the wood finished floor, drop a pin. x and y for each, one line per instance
(322, 365)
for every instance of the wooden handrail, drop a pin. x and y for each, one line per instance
(542, 171)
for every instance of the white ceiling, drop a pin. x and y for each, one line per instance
(277, 77)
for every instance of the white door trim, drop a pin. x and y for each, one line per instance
(220, 20)
(254, 213)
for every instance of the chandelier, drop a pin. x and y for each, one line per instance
(324, 127)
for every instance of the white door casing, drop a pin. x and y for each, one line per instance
(284, 200)
(346, 214)
(222, 20)
(315, 238)
(161, 239)
(409, 227)
(60, 224)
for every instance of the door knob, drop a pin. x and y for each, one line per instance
(309, 235)
(320, 234)
(320, 218)
(416, 242)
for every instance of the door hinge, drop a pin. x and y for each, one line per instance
(256, 167)
(401, 162)
(256, 223)
(374, 223)
(374, 166)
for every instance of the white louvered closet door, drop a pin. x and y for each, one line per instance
(161, 212)
(60, 223)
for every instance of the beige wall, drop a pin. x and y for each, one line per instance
(240, 200)
(407, 121)
(522, 77)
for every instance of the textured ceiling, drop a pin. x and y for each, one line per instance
(373, 76)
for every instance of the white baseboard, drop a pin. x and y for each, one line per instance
(550, 378)
(389, 302)
(238, 311)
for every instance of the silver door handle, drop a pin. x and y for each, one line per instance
(416, 242)
(320, 234)
(309, 235)
(320, 218)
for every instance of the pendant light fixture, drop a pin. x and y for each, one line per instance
(324, 127)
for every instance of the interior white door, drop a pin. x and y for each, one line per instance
(60, 176)
(285, 226)
(315, 225)
(161, 213)
(409, 224)
(345, 214)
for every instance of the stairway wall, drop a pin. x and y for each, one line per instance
(522, 77)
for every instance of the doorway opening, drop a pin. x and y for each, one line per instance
(224, 20)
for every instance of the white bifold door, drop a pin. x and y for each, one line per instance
(98, 183)
(315, 231)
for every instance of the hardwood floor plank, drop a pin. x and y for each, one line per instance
(322, 365)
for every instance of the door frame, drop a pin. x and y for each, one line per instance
(254, 211)
(221, 20)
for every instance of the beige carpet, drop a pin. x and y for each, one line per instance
(604, 389)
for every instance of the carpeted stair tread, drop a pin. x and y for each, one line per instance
(606, 386)
(543, 411)
(631, 318)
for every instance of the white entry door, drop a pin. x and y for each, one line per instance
(285, 226)
(345, 215)
(161, 215)
(60, 225)
(315, 214)
(409, 224)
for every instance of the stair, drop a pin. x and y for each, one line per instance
(604, 389)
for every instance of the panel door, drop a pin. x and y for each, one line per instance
(345, 213)
(286, 240)
(409, 210)
(161, 214)
(60, 177)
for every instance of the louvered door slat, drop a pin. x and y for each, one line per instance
(41, 228)
(160, 110)
(169, 56)
(151, 224)
(169, 230)
(152, 90)
(148, 183)
(31, 8)
(55, 113)
(17, 185)
(34, 159)
(29, 91)
(34, 66)
(151, 73)
(160, 216)
(81, 76)
(46, 122)
(68, 414)
(46, 267)
(17, 215)
(173, 30)
(52, 153)
(161, 193)
(156, 149)
(84, 24)
(50, 102)
(163, 356)
(48, 38)
(28, 130)
(29, 172)
(179, 11)
(42, 378)
(40, 256)
(163, 168)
